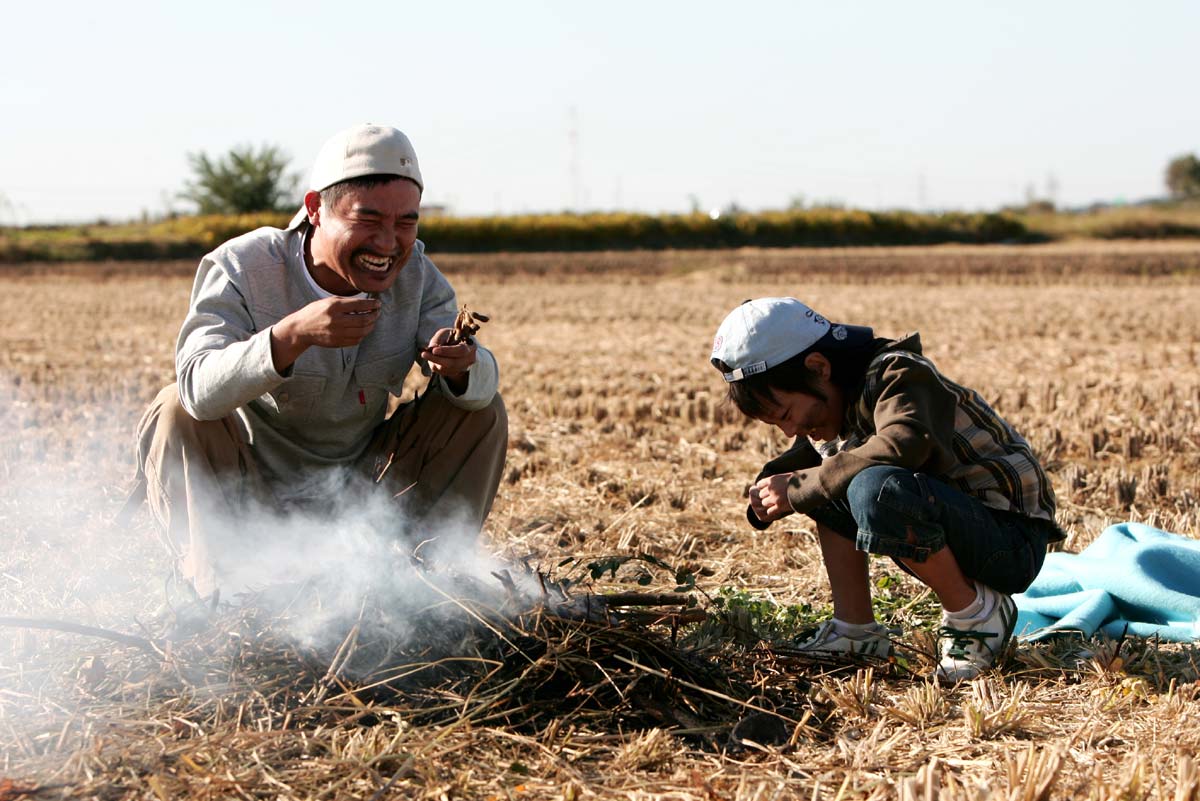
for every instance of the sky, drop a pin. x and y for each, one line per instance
(651, 106)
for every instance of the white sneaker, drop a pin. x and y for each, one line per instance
(969, 646)
(830, 641)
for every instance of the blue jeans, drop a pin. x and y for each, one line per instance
(895, 512)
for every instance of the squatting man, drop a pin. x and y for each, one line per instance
(294, 349)
(893, 458)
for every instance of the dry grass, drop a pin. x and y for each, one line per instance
(619, 444)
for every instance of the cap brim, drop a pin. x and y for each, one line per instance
(300, 218)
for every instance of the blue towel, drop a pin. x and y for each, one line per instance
(1133, 578)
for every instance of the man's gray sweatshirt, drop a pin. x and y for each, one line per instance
(322, 411)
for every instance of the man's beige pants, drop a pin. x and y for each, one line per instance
(201, 478)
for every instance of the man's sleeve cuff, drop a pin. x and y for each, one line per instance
(482, 382)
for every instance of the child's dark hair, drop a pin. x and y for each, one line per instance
(754, 394)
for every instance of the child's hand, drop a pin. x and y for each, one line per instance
(768, 498)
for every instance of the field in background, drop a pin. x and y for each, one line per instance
(619, 443)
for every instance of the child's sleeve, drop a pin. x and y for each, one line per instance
(798, 457)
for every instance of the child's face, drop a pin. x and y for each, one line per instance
(796, 413)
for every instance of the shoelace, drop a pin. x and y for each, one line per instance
(962, 640)
(824, 633)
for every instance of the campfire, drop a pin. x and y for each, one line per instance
(522, 649)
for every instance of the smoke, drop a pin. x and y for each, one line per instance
(319, 569)
(62, 484)
(62, 471)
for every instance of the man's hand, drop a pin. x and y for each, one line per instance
(768, 498)
(329, 323)
(451, 362)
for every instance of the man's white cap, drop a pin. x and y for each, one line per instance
(362, 150)
(764, 333)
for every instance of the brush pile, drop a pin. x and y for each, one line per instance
(520, 651)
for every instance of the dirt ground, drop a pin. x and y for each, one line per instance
(620, 444)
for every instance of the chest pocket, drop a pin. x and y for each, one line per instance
(385, 375)
(295, 398)
(388, 372)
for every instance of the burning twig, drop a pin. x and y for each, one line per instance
(647, 599)
(505, 578)
(668, 617)
(91, 631)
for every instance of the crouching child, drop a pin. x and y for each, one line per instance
(890, 458)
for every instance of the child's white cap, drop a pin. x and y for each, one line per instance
(764, 333)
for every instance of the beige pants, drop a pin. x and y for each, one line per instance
(200, 477)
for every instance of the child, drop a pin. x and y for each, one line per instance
(911, 466)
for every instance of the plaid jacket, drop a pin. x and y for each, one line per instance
(908, 414)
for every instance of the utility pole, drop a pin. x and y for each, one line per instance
(1052, 188)
(573, 145)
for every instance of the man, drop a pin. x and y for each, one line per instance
(293, 343)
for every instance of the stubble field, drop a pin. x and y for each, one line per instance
(620, 445)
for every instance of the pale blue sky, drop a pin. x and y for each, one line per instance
(874, 104)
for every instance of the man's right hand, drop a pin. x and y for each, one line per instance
(329, 323)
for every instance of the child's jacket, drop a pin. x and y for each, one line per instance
(907, 414)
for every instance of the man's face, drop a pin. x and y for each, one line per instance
(796, 413)
(361, 243)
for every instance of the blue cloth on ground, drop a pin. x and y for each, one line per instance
(1133, 578)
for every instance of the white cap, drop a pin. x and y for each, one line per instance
(362, 150)
(764, 333)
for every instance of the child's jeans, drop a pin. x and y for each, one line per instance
(895, 512)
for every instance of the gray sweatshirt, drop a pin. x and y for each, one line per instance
(322, 411)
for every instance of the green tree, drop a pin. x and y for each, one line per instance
(1183, 176)
(243, 180)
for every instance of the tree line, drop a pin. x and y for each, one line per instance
(247, 180)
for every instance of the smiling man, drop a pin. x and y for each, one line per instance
(294, 343)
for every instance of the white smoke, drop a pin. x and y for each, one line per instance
(316, 570)
(321, 568)
(61, 477)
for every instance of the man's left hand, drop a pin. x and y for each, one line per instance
(451, 362)
(772, 497)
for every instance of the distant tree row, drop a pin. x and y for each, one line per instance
(246, 180)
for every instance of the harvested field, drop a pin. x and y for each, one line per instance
(619, 447)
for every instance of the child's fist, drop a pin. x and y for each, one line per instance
(768, 498)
